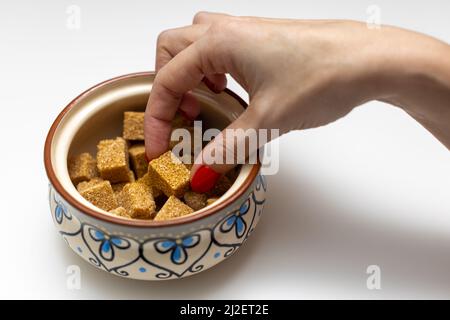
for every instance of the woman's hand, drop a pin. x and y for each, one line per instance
(298, 74)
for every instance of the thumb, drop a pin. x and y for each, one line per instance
(237, 144)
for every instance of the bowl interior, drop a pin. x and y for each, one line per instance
(98, 114)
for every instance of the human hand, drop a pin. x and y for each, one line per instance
(298, 74)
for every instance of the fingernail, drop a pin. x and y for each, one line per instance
(204, 179)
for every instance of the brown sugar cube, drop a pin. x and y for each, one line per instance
(210, 201)
(195, 200)
(118, 187)
(138, 160)
(222, 186)
(121, 212)
(133, 125)
(169, 175)
(112, 160)
(137, 199)
(82, 167)
(99, 193)
(119, 197)
(88, 184)
(173, 208)
(146, 179)
(131, 177)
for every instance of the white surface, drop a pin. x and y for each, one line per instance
(373, 188)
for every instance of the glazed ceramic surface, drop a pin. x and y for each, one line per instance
(163, 253)
(137, 249)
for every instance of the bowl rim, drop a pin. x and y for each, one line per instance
(135, 222)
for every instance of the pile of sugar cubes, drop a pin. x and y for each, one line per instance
(121, 181)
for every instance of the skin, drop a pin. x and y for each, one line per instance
(299, 74)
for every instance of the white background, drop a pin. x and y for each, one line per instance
(373, 188)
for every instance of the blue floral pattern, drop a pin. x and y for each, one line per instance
(61, 211)
(236, 221)
(177, 247)
(108, 243)
(164, 257)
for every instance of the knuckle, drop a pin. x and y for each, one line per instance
(214, 29)
(199, 17)
(163, 37)
(230, 25)
(217, 41)
(217, 32)
(220, 31)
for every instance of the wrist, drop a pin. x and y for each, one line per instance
(413, 73)
(409, 70)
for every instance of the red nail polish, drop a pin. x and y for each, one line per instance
(204, 179)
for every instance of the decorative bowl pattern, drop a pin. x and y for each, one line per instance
(160, 255)
(139, 249)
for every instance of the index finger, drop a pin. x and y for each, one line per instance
(181, 74)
